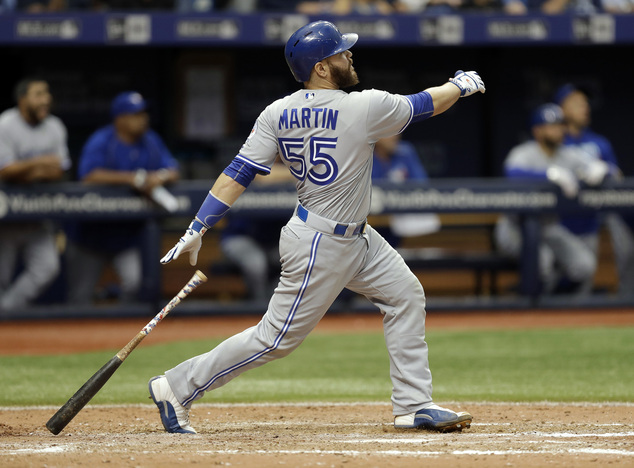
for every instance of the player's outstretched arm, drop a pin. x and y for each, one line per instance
(463, 84)
(222, 195)
(443, 97)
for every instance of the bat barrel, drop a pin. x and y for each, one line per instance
(75, 403)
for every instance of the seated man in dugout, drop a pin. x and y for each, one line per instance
(567, 262)
(32, 150)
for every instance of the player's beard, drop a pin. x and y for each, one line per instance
(552, 142)
(343, 78)
(35, 114)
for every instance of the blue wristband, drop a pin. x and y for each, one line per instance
(211, 211)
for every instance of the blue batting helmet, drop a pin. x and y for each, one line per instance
(547, 114)
(313, 43)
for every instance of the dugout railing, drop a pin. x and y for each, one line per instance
(472, 198)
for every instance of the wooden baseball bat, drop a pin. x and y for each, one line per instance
(75, 404)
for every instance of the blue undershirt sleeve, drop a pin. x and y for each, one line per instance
(241, 172)
(423, 105)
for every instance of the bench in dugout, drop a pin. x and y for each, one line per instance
(481, 263)
(464, 243)
(459, 242)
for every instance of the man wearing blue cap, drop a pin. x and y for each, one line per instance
(576, 109)
(575, 106)
(126, 152)
(563, 255)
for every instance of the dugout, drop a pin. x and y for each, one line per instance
(88, 59)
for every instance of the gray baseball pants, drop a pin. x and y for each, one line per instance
(315, 268)
(36, 244)
(253, 261)
(560, 253)
(85, 267)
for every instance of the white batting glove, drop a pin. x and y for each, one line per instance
(468, 83)
(594, 172)
(191, 242)
(565, 179)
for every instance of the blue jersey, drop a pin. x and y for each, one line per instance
(404, 164)
(104, 150)
(594, 146)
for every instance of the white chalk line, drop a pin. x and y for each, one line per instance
(354, 453)
(414, 440)
(35, 451)
(418, 440)
(404, 453)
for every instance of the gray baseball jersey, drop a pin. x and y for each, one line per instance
(326, 138)
(561, 252)
(20, 141)
(529, 156)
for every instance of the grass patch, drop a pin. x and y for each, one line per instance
(505, 365)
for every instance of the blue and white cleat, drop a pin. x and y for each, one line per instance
(174, 416)
(434, 418)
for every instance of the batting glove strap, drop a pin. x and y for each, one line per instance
(468, 83)
(197, 226)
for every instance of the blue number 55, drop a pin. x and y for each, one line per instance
(321, 168)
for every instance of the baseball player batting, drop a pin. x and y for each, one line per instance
(325, 136)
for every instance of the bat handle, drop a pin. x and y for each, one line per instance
(195, 281)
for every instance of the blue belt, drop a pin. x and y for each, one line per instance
(339, 229)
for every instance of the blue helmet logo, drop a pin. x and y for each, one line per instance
(547, 114)
(313, 43)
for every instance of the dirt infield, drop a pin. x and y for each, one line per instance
(69, 336)
(298, 435)
(351, 435)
